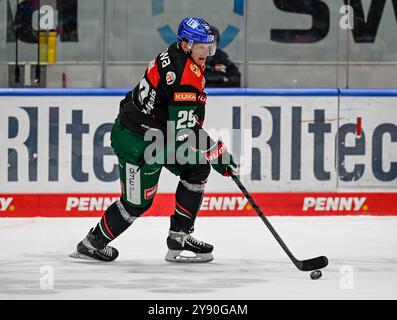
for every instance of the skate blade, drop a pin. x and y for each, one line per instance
(80, 256)
(175, 256)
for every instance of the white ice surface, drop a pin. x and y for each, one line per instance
(248, 264)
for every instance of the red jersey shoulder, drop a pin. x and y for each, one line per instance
(152, 73)
(193, 75)
(161, 69)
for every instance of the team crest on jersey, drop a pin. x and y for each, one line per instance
(170, 77)
(195, 69)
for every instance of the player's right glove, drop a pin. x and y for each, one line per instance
(220, 159)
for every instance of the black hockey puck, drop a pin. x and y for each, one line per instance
(316, 274)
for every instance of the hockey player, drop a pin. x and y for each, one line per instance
(170, 91)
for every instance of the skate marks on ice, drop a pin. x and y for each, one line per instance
(155, 278)
(22, 276)
(128, 279)
(166, 278)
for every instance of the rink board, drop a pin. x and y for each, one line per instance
(292, 144)
(214, 204)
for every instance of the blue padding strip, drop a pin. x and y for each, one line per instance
(368, 92)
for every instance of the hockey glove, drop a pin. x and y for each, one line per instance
(220, 159)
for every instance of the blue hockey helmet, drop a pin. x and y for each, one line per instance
(197, 30)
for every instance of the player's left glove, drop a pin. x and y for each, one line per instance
(220, 159)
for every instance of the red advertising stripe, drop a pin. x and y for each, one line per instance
(358, 127)
(214, 204)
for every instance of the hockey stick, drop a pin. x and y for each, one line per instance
(302, 265)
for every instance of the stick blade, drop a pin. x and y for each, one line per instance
(314, 264)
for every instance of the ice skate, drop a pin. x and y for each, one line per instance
(91, 248)
(178, 242)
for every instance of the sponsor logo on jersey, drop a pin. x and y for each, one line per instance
(6, 204)
(334, 203)
(89, 203)
(149, 105)
(185, 96)
(216, 153)
(149, 193)
(224, 203)
(165, 59)
(195, 70)
(133, 181)
(170, 77)
(202, 97)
